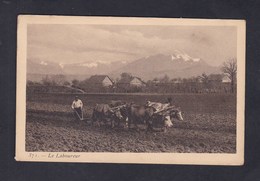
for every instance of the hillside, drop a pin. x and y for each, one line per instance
(172, 65)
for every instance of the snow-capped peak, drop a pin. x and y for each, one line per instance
(95, 63)
(61, 65)
(104, 62)
(196, 59)
(173, 57)
(182, 55)
(43, 63)
(89, 65)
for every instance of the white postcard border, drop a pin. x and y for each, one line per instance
(107, 157)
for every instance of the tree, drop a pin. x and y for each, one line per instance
(53, 80)
(230, 69)
(204, 78)
(66, 83)
(59, 79)
(165, 79)
(126, 75)
(29, 82)
(47, 81)
(155, 79)
(75, 83)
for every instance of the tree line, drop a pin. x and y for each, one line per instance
(204, 83)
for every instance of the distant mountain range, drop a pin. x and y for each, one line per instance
(147, 68)
(175, 65)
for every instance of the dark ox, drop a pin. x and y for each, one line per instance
(103, 113)
(137, 114)
(147, 115)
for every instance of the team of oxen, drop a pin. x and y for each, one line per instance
(131, 115)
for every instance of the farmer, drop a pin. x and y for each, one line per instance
(77, 106)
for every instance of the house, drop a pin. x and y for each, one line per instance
(220, 78)
(136, 81)
(225, 79)
(100, 80)
(215, 78)
(131, 81)
(176, 81)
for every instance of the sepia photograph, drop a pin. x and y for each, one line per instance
(130, 90)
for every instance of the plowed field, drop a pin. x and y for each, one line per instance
(209, 125)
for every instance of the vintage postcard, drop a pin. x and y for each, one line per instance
(130, 90)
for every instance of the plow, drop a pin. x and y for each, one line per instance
(118, 107)
(79, 116)
(165, 110)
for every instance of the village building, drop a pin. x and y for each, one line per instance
(219, 78)
(215, 78)
(176, 81)
(100, 80)
(97, 83)
(136, 81)
(131, 82)
(226, 79)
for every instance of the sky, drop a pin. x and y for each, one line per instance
(68, 44)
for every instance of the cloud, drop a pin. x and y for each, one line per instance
(104, 44)
(43, 63)
(104, 62)
(89, 65)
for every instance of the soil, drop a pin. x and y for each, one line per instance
(208, 127)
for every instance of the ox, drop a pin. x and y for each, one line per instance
(163, 114)
(164, 118)
(103, 113)
(137, 114)
(115, 103)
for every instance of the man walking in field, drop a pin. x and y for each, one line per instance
(77, 106)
